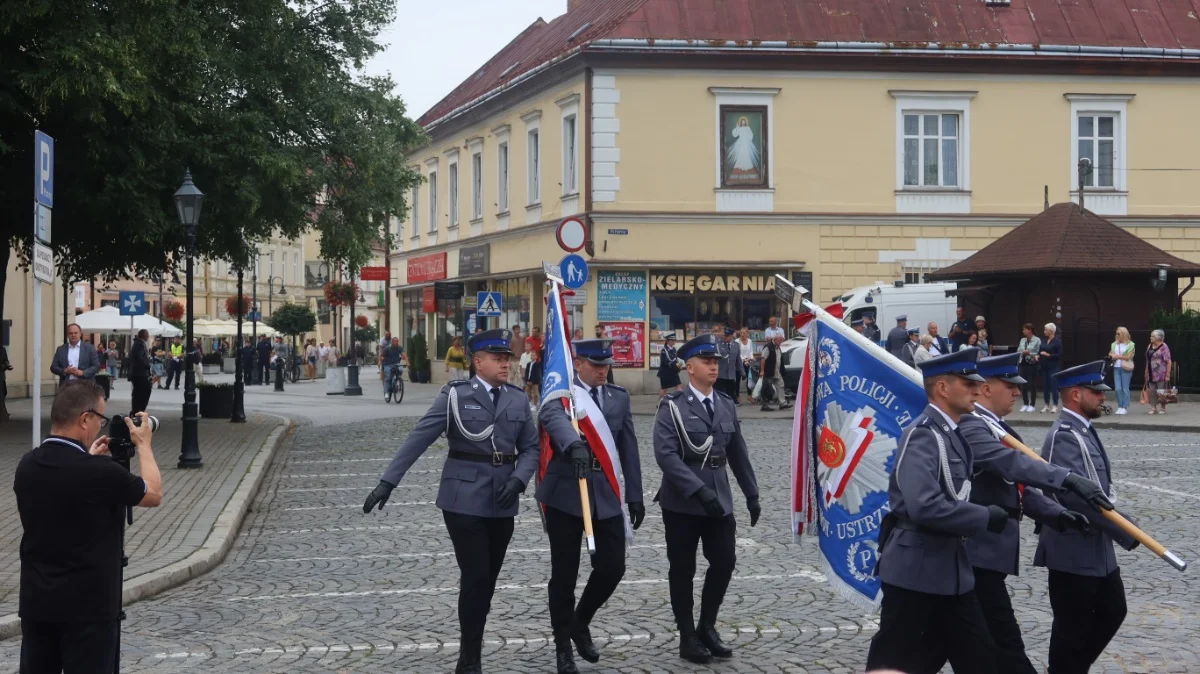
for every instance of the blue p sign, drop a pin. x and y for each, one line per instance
(43, 169)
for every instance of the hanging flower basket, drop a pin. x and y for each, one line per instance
(172, 310)
(362, 321)
(338, 293)
(237, 306)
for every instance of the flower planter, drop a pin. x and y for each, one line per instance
(216, 402)
(210, 369)
(229, 365)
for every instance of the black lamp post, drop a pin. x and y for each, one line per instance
(188, 200)
(271, 291)
(239, 383)
(352, 387)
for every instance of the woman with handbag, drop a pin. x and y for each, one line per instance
(1158, 373)
(1121, 354)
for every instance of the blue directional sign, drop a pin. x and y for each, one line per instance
(133, 303)
(574, 271)
(43, 169)
(254, 316)
(491, 304)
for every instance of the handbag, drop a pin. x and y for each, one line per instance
(1168, 394)
(1145, 397)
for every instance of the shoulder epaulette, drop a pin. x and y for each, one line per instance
(674, 395)
(616, 386)
(514, 386)
(724, 395)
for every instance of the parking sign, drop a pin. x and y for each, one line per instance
(43, 169)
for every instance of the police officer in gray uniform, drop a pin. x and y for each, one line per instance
(898, 336)
(929, 612)
(1010, 479)
(493, 455)
(1086, 592)
(730, 370)
(870, 330)
(558, 490)
(696, 433)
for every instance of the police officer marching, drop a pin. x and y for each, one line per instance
(696, 432)
(493, 454)
(1086, 592)
(929, 613)
(1010, 479)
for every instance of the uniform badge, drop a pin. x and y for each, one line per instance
(472, 407)
(690, 399)
(475, 385)
(946, 428)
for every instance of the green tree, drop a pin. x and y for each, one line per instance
(293, 320)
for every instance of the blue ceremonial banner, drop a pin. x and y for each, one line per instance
(557, 364)
(854, 401)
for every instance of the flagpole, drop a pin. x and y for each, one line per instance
(584, 502)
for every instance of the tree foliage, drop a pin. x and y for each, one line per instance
(293, 319)
(259, 99)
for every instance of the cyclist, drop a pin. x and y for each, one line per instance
(392, 356)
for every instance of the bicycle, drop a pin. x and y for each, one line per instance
(393, 389)
(293, 370)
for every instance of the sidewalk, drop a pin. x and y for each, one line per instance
(1182, 417)
(201, 512)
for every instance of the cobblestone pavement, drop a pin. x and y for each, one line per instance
(313, 585)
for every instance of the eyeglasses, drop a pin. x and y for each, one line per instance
(103, 419)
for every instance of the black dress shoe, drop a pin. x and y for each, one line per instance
(566, 661)
(708, 636)
(583, 641)
(469, 659)
(692, 650)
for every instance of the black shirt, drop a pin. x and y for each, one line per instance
(965, 327)
(72, 508)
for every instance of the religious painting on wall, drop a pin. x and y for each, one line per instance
(743, 146)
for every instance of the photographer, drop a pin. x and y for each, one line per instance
(72, 498)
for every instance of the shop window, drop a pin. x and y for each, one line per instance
(451, 323)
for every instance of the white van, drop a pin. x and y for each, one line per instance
(921, 302)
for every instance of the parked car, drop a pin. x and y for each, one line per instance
(793, 351)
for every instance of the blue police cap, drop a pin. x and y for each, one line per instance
(914, 331)
(1089, 375)
(1003, 367)
(857, 321)
(668, 335)
(597, 351)
(704, 346)
(963, 363)
(729, 331)
(869, 314)
(491, 341)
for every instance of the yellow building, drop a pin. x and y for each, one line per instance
(707, 151)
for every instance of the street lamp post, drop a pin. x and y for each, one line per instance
(271, 292)
(239, 383)
(256, 375)
(352, 387)
(188, 200)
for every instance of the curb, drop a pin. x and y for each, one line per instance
(216, 545)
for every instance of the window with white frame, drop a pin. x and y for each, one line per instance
(502, 177)
(570, 156)
(453, 192)
(477, 186)
(1097, 135)
(295, 268)
(433, 204)
(272, 258)
(415, 209)
(932, 146)
(534, 151)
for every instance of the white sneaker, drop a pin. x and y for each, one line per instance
(1054, 409)
(1121, 410)
(1045, 408)
(1027, 408)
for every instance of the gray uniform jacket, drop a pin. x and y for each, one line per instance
(997, 468)
(88, 362)
(731, 363)
(934, 559)
(896, 340)
(871, 332)
(683, 471)
(559, 489)
(469, 487)
(1072, 551)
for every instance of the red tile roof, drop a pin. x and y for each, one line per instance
(1065, 238)
(900, 24)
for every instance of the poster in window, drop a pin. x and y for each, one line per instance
(629, 343)
(743, 146)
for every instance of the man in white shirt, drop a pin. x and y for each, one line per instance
(940, 345)
(773, 330)
(76, 359)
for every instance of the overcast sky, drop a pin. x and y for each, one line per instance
(432, 46)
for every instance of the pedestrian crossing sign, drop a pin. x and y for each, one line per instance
(490, 303)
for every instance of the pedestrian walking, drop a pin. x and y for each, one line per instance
(493, 454)
(310, 359)
(770, 387)
(696, 434)
(1029, 347)
(114, 360)
(1050, 358)
(1086, 591)
(517, 346)
(603, 468)
(669, 366)
(456, 359)
(1158, 372)
(930, 613)
(140, 372)
(76, 359)
(1121, 354)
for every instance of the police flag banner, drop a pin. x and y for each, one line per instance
(558, 370)
(853, 402)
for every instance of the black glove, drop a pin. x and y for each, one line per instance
(581, 458)
(379, 495)
(754, 508)
(637, 513)
(1069, 519)
(997, 519)
(1088, 491)
(509, 493)
(712, 505)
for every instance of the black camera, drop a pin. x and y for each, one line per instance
(120, 444)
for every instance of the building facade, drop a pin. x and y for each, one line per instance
(708, 152)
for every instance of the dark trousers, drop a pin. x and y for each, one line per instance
(140, 394)
(684, 533)
(727, 386)
(1048, 385)
(608, 566)
(479, 547)
(1088, 610)
(266, 371)
(247, 372)
(992, 593)
(174, 367)
(919, 632)
(1029, 372)
(70, 648)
